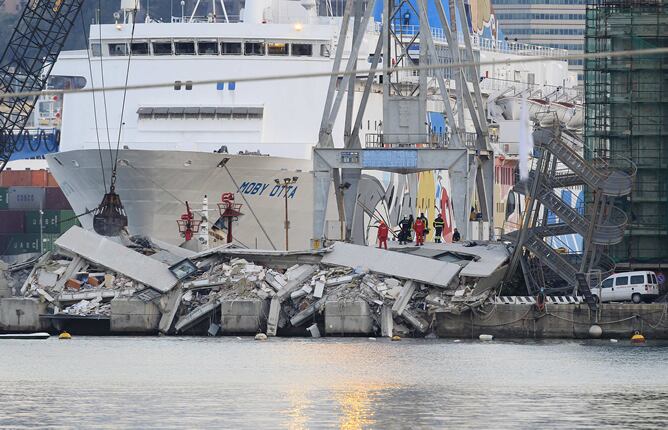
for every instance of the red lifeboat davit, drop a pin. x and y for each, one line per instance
(188, 225)
(229, 211)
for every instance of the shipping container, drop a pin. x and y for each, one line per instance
(12, 222)
(3, 198)
(51, 221)
(26, 198)
(51, 181)
(48, 241)
(16, 244)
(15, 178)
(38, 178)
(55, 199)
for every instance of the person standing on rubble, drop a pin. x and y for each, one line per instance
(404, 232)
(383, 232)
(456, 237)
(425, 221)
(438, 228)
(418, 226)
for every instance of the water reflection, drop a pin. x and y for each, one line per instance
(327, 383)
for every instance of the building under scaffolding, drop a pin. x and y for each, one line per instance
(626, 105)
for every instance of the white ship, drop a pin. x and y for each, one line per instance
(178, 143)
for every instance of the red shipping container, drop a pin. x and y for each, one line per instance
(55, 199)
(38, 178)
(12, 222)
(51, 181)
(16, 178)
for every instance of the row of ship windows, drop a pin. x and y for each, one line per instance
(582, 2)
(560, 16)
(560, 31)
(168, 47)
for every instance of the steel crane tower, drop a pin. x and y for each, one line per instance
(27, 61)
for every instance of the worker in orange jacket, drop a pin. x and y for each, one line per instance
(419, 227)
(383, 233)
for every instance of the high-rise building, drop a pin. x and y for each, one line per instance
(553, 23)
(626, 117)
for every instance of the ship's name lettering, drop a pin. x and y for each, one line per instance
(259, 189)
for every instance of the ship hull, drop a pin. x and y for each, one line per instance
(154, 186)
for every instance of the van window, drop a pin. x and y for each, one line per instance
(622, 280)
(607, 283)
(637, 279)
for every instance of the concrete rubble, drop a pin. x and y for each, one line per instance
(342, 290)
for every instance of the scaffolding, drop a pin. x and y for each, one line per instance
(626, 117)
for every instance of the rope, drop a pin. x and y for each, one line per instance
(92, 84)
(354, 72)
(249, 206)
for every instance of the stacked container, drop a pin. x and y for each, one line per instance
(23, 194)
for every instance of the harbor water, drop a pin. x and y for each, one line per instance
(122, 382)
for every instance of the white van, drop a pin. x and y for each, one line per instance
(634, 286)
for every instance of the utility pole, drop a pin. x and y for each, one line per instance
(285, 183)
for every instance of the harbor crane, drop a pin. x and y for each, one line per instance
(25, 66)
(27, 61)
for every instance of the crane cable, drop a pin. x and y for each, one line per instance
(92, 84)
(125, 93)
(104, 91)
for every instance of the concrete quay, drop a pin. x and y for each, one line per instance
(513, 321)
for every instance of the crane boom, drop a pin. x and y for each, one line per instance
(26, 64)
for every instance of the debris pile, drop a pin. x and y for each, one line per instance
(298, 294)
(387, 293)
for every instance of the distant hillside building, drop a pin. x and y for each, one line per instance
(553, 23)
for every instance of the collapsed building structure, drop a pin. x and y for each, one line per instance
(136, 285)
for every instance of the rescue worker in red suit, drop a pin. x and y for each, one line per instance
(383, 232)
(419, 227)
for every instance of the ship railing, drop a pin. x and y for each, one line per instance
(478, 42)
(219, 18)
(406, 140)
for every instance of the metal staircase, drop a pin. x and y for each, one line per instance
(558, 165)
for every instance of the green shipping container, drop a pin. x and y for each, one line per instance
(48, 241)
(53, 221)
(3, 198)
(20, 244)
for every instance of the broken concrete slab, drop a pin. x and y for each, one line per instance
(319, 289)
(418, 323)
(391, 263)
(243, 316)
(131, 315)
(386, 321)
(343, 318)
(297, 278)
(21, 315)
(187, 321)
(302, 316)
(117, 258)
(169, 311)
(274, 315)
(404, 297)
